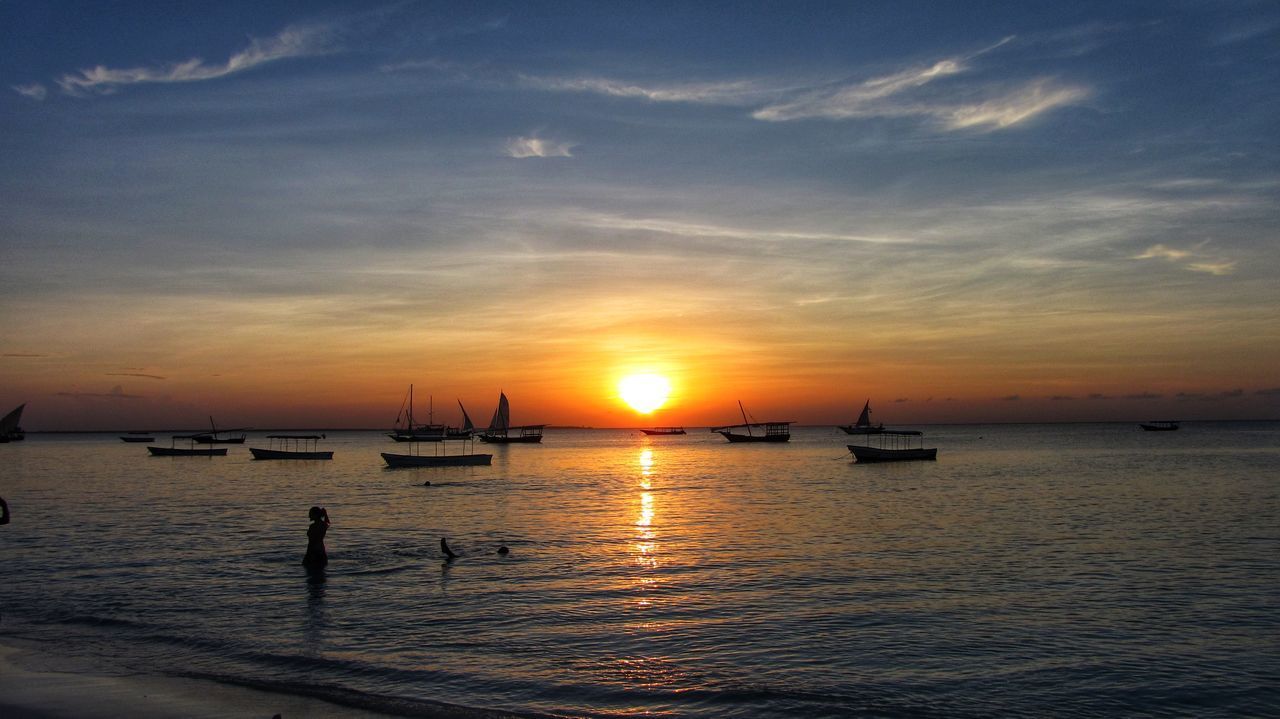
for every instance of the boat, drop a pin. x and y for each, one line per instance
(500, 429)
(406, 429)
(215, 435)
(291, 446)
(893, 445)
(10, 431)
(137, 437)
(440, 456)
(664, 431)
(1159, 425)
(863, 424)
(173, 450)
(756, 431)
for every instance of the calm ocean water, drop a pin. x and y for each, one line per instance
(1033, 570)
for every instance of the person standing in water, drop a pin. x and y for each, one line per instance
(4, 511)
(316, 557)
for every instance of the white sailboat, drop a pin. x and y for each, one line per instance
(863, 425)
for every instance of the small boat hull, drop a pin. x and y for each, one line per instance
(875, 454)
(443, 460)
(853, 429)
(662, 432)
(137, 439)
(180, 452)
(1163, 427)
(219, 440)
(284, 454)
(498, 439)
(755, 437)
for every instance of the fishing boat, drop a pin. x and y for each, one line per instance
(863, 424)
(756, 431)
(1159, 425)
(500, 430)
(893, 445)
(216, 436)
(440, 456)
(173, 450)
(656, 431)
(291, 446)
(137, 437)
(10, 431)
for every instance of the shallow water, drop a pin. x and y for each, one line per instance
(1034, 570)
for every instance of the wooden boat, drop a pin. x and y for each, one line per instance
(215, 435)
(1159, 425)
(406, 429)
(440, 456)
(10, 431)
(756, 431)
(893, 445)
(291, 446)
(137, 437)
(863, 424)
(500, 429)
(664, 431)
(173, 450)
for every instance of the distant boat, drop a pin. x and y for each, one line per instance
(863, 425)
(215, 435)
(137, 437)
(499, 429)
(664, 430)
(291, 446)
(9, 429)
(406, 429)
(893, 445)
(440, 456)
(756, 431)
(1159, 425)
(173, 450)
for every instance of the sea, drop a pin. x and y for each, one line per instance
(1049, 570)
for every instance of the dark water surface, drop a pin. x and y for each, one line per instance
(1033, 570)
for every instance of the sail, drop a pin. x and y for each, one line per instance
(9, 423)
(864, 419)
(502, 415)
(466, 418)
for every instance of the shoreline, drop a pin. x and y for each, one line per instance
(68, 689)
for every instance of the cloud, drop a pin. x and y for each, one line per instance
(734, 92)
(522, 147)
(116, 393)
(901, 400)
(1189, 260)
(1096, 395)
(1012, 108)
(695, 230)
(1142, 396)
(1269, 392)
(1011, 398)
(35, 91)
(1062, 398)
(296, 41)
(1231, 393)
(135, 374)
(22, 354)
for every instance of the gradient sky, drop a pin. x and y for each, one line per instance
(284, 213)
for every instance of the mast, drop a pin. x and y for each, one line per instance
(744, 417)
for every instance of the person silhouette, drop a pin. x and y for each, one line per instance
(4, 511)
(316, 557)
(448, 553)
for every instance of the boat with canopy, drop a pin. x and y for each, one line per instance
(893, 445)
(292, 446)
(173, 450)
(755, 431)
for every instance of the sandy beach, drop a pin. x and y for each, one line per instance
(36, 684)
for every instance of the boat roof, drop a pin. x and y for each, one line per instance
(750, 424)
(294, 436)
(904, 432)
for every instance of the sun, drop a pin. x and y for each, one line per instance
(644, 392)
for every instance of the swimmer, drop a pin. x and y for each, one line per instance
(503, 550)
(4, 511)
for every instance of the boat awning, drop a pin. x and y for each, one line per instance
(753, 424)
(294, 436)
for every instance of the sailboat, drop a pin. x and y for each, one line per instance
(499, 429)
(863, 425)
(406, 430)
(215, 436)
(9, 429)
(756, 431)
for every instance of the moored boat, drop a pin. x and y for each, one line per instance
(1159, 425)
(440, 456)
(658, 431)
(220, 436)
(173, 450)
(291, 446)
(893, 445)
(755, 431)
(500, 430)
(137, 437)
(863, 424)
(10, 431)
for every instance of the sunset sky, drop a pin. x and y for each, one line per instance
(282, 214)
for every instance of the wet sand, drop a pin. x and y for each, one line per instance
(35, 684)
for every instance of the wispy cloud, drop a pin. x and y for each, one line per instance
(693, 229)
(117, 393)
(35, 91)
(522, 147)
(733, 92)
(135, 374)
(295, 41)
(1189, 259)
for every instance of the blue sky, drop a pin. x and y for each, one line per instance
(916, 201)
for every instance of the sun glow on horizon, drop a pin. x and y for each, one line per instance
(644, 392)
